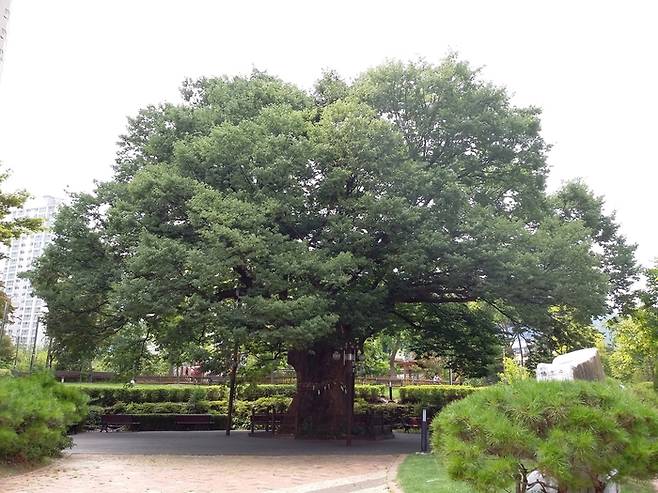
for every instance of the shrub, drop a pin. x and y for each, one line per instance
(573, 432)
(149, 408)
(396, 414)
(254, 392)
(167, 422)
(646, 393)
(369, 392)
(35, 413)
(108, 395)
(434, 395)
(513, 372)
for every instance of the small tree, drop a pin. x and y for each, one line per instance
(575, 433)
(513, 372)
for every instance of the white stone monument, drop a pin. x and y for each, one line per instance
(583, 364)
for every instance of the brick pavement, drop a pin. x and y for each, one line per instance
(205, 462)
(83, 473)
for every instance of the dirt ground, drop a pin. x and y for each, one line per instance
(82, 473)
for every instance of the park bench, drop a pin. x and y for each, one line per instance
(116, 421)
(194, 420)
(373, 424)
(270, 421)
(411, 424)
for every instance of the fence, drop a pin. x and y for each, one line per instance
(287, 377)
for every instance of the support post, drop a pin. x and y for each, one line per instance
(4, 318)
(34, 345)
(423, 432)
(349, 363)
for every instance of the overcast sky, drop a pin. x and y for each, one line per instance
(74, 70)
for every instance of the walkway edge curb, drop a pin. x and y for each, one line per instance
(392, 473)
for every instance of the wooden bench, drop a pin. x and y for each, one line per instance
(271, 421)
(411, 424)
(116, 421)
(194, 420)
(373, 424)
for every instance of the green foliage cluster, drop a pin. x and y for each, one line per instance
(513, 372)
(109, 394)
(7, 350)
(254, 214)
(434, 395)
(393, 412)
(635, 336)
(576, 433)
(35, 413)
(647, 393)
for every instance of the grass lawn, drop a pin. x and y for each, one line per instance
(424, 474)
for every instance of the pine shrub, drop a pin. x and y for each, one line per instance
(35, 413)
(576, 433)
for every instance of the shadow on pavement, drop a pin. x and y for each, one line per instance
(239, 443)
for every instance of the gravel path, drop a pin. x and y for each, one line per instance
(162, 462)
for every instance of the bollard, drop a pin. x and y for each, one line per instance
(423, 432)
(390, 391)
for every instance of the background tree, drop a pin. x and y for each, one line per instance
(635, 336)
(7, 351)
(308, 224)
(10, 229)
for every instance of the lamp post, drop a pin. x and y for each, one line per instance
(349, 366)
(34, 344)
(348, 355)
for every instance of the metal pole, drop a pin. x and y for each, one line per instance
(349, 360)
(16, 353)
(34, 345)
(423, 432)
(4, 319)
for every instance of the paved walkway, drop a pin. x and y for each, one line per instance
(205, 462)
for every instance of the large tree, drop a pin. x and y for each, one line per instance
(635, 336)
(11, 227)
(258, 214)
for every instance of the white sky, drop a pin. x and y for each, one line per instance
(74, 70)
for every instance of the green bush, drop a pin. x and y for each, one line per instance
(167, 422)
(369, 392)
(241, 413)
(395, 414)
(434, 395)
(35, 413)
(573, 432)
(108, 394)
(254, 392)
(646, 393)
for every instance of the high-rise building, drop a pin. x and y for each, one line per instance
(4, 20)
(22, 326)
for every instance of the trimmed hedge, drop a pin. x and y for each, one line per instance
(167, 422)
(109, 395)
(434, 395)
(35, 413)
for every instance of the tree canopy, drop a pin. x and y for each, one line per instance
(254, 211)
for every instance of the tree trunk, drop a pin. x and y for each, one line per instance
(321, 405)
(392, 371)
(231, 393)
